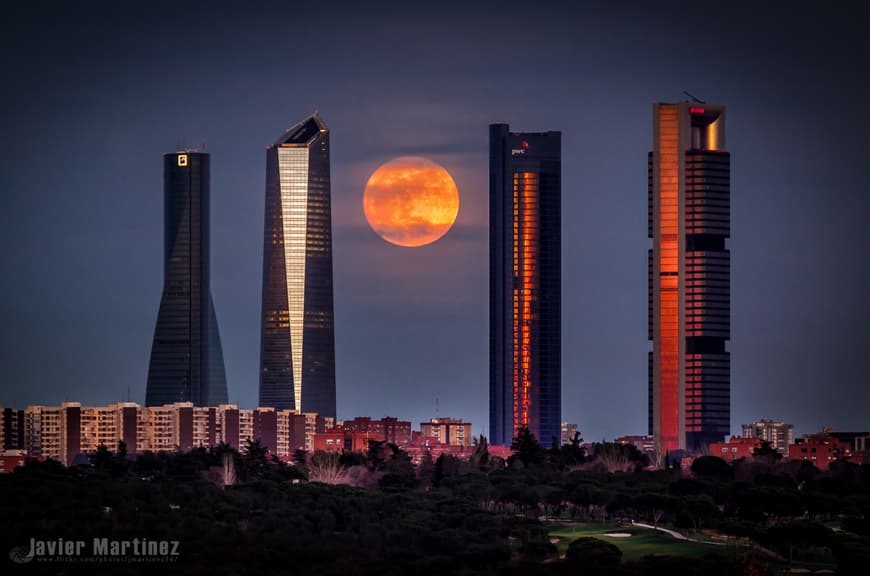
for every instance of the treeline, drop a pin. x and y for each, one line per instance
(377, 513)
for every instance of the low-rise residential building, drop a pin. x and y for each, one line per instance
(340, 439)
(390, 429)
(819, 450)
(736, 448)
(63, 432)
(11, 459)
(778, 433)
(449, 431)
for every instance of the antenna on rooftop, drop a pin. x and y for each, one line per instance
(695, 98)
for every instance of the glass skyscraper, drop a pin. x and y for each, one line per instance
(689, 277)
(525, 386)
(187, 363)
(297, 346)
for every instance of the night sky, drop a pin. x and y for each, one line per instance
(94, 94)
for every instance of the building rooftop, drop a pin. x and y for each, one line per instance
(303, 132)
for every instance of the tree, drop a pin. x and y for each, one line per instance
(552, 498)
(656, 505)
(572, 453)
(426, 471)
(326, 467)
(527, 449)
(615, 457)
(479, 459)
(445, 466)
(228, 469)
(766, 452)
(377, 454)
(712, 467)
(398, 470)
(593, 555)
(102, 458)
(349, 458)
(255, 461)
(699, 509)
(300, 456)
(797, 535)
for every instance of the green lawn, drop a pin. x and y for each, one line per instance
(645, 541)
(642, 542)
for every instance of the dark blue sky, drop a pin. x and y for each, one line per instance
(94, 93)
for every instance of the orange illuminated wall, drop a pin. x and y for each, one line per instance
(525, 287)
(668, 347)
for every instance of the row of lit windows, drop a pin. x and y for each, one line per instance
(708, 200)
(525, 228)
(714, 213)
(711, 255)
(293, 176)
(696, 220)
(713, 302)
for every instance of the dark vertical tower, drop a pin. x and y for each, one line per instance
(187, 363)
(689, 277)
(525, 383)
(297, 345)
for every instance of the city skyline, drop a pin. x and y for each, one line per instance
(83, 268)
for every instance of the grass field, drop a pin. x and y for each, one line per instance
(642, 542)
(645, 541)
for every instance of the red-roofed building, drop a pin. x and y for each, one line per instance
(11, 459)
(390, 429)
(339, 439)
(736, 448)
(821, 451)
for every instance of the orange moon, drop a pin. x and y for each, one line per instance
(411, 201)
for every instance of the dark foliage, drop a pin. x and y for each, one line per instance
(712, 467)
(449, 516)
(593, 555)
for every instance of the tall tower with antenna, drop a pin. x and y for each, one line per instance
(689, 276)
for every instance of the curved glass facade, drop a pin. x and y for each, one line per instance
(186, 358)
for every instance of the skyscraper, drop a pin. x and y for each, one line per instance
(525, 387)
(297, 346)
(187, 364)
(689, 277)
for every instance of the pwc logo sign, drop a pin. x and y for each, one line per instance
(520, 151)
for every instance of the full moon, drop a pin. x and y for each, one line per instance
(411, 201)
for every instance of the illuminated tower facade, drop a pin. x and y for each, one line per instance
(525, 389)
(297, 345)
(689, 277)
(187, 363)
